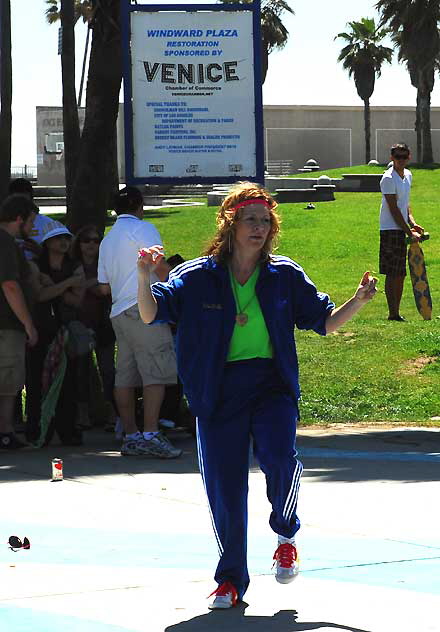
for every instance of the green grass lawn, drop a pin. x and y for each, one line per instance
(371, 370)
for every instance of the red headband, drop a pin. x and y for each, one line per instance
(247, 202)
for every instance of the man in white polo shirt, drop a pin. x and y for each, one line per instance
(396, 223)
(146, 355)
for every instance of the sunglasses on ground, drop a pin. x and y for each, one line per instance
(89, 240)
(16, 544)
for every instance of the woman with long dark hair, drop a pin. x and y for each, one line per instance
(60, 292)
(94, 313)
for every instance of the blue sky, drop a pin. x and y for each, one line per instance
(306, 72)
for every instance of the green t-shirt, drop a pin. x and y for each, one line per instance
(252, 339)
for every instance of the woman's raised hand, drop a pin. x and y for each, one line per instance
(149, 257)
(366, 288)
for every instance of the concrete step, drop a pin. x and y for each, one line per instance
(50, 201)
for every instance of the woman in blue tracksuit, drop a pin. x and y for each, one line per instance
(236, 309)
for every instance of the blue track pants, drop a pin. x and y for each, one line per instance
(253, 403)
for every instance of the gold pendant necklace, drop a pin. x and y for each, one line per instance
(241, 318)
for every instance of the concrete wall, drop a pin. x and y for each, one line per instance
(334, 135)
(50, 164)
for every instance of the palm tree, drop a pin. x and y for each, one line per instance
(397, 41)
(415, 28)
(363, 57)
(274, 34)
(95, 177)
(5, 97)
(82, 10)
(68, 12)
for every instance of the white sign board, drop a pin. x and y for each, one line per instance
(193, 103)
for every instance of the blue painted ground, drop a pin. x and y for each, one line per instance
(28, 620)
(325, 453)
(393, 564)
(386, 563)
(375, 562)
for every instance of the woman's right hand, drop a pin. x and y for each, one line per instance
(149, 257)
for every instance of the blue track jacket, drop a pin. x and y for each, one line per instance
(198, 298)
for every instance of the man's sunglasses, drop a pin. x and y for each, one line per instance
(16, 544)
(90, 240)
(401, 156)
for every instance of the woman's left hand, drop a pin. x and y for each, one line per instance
(149, 257)
(366, 288)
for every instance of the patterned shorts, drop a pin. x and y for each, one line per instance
(392, 253)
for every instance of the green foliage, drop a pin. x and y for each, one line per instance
(363, 55)
(414, 25)
(273, 31)
(369, 370)
(83, 9)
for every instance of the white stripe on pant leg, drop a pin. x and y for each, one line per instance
(294, 502)
(292, 488)
(202, 471)
(293, 491)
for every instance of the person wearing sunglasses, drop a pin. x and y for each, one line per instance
(62, 280)
(396, 224)
(94, 313)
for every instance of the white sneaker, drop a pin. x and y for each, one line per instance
(225, 597)
(159, 447)
(286, 560)
(129, 446)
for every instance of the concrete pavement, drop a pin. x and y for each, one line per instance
(125, 544)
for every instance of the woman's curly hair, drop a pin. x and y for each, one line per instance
(222, 243)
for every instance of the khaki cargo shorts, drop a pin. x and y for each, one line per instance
(145, 353)
(12, 361)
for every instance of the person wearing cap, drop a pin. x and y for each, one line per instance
(236, 310)
(17, 214)
(60, 290)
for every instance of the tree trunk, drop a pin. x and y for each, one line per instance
(264, 61)
(70, 109)
(367, 125)
(93, 183)
(425, 116)
(5, 97)
(114, 167)
(418, 130)
(83, 70)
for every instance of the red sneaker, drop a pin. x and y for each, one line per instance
(225, 596)
(287, 561)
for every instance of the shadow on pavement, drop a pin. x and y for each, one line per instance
(235, 621)
(404, 455)
(396, 455)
